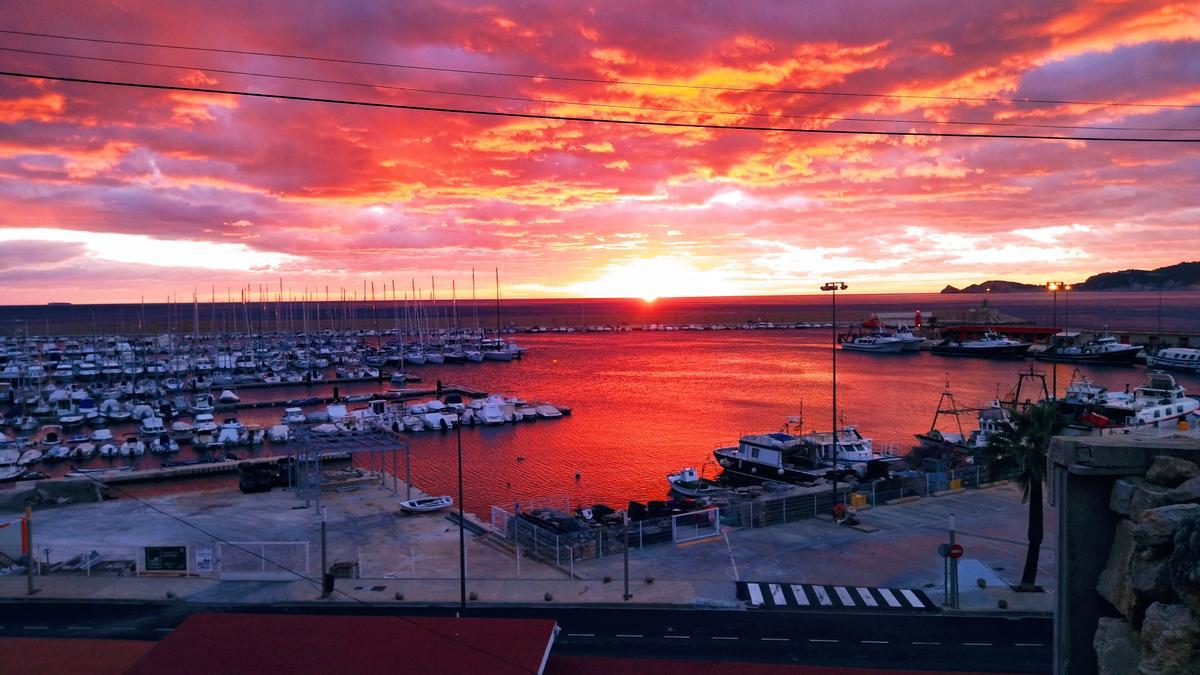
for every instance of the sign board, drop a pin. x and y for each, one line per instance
(944, 550)
(166, 559)
(955, 551)
(204, 560)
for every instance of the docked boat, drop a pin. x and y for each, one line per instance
(426, 504)
(26, 458)
(9, 457)
(548, 411)
(228, 396)
(1161, 403)
(1104, 349)
(11, 472)
(182, 431)
(132, 447)
(852, 451)
(108, 450)
(1185, 359)
(874, 343)
(52, 435)
(991, 345)
(774, 456)
(231, 432)
(293, 415)
(85, 451)
(689, 483)
(152, 426)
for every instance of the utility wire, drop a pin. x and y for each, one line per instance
(584, 103)
(591, 80)
(183, 521)
(572, 118)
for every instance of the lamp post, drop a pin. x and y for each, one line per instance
(1054, 287)
(834, 287)
(462, 540)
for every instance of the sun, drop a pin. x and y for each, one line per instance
(649, 299)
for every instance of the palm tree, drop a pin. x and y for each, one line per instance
(1022, 445)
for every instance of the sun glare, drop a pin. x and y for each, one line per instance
(652, 278)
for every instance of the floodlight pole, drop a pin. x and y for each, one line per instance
(1054, 287)
(834, 287)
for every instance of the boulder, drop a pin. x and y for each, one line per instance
(1122, 493)
(1146, 496)
(1149, 582)
(1184, 565)
(1117, 647)
(1113, 584)
(1154, 533)
(1171, 471)
(1170, 641)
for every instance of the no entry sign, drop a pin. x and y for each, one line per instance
(955, 551)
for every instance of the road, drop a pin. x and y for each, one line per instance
(919, 640)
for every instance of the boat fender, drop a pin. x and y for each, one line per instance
(754, 469)
(780, 472)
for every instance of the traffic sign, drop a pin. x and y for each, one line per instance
(944, 550)
(955, 551)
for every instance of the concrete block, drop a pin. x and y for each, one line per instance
(1117, 647)
(1170, 641)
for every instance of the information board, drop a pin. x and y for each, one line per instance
(166, 559)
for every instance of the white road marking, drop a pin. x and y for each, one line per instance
(821, 640)
(889, 598)
(678, 637)
(822, 596)
(912, 598)
(775, 639)
(37, 627)
(629, 635)
(164, 630)
(801, 596)
(1028, 644)
(776, 595)
(844, 596)
(77, 627)
(977, 644)
(722, 637)
(926, 643)
(756, 596)
(865, 594)
(874, 642)
(581, 635)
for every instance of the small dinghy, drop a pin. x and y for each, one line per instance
(426, 504)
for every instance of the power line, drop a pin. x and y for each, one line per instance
(572, 118)
(592, 80)
(590, 104)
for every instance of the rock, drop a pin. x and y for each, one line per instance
(1149, 582)
(1170, 641)
(1122, 492)
(1117, 647)
(1145, 497)
(1171, 471)
(1154, 533)
(1113, 584)
(1184, 565)
(1188, 492)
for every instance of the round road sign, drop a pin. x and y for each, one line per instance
(944, 550)
(955, 551)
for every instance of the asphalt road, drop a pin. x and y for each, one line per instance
(918, 640)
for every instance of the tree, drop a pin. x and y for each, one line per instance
(1022, 446)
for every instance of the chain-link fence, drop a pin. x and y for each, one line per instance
(262, 560)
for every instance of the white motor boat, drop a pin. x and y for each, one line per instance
(108, 450)
(874, 343)
(204, 423)
(163, 445)
(548, 411)
(426, 504)
(85, 451)
(52, 434)
(490, 414)
(11, 472)
(152, 426)
(132, 447)
(9, 457)
(689, 483)
(228, 396)
(202, 403)
(253, 435)
(293, 416)
(1176, 358)
(528, 413)
(280, 433)
(57, 454)
(231, 432)
(25, 459)
(182, 431)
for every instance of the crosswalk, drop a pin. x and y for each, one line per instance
(769, 595)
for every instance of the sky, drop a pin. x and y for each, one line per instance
(112, 194)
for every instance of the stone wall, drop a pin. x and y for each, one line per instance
(1152, 578)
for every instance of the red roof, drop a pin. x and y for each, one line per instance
(302, 644)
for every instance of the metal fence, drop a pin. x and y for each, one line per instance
(262, 560)
(695, 525)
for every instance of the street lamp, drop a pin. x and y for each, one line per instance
(834, 287)
(462, 537)
(1054, 287)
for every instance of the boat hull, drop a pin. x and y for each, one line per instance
(998, 352)
(1123, 357)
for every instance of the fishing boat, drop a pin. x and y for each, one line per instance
(426, 504)
(1161, 403)
(991, 345)
(689, 483)
(1104, 349)
(774, 456)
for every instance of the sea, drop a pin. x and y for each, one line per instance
(647, 403)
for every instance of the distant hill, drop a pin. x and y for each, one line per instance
(1183, 276)
(995, 286)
